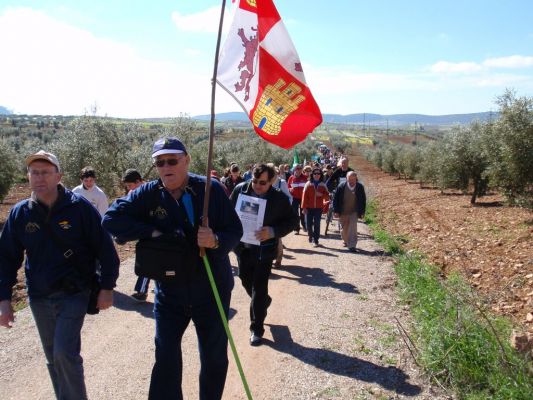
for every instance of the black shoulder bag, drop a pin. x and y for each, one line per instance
(170, 257)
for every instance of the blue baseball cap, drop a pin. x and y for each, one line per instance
(169, 145)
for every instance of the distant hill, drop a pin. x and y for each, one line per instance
(5, 111)
(376, 119)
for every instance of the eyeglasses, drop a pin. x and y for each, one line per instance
(44, 174)
(258, 182)
(316, 173)
(170, 161)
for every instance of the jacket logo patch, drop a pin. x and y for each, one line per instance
(65, 225)
(159, 213)
(32, 227)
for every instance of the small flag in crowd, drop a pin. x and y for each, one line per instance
(295, 158)
(260, 68)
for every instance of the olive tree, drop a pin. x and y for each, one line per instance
(509, 146)
(9, 168)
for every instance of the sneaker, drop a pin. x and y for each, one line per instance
(277, 265)
(296, 232)
(139, 297)
(353, 249)
(316, 244)
(255, 340)
(310, 239)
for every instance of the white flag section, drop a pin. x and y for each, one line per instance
(260, 68)
(237, 65)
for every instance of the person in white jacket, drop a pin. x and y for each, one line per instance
(90, 191)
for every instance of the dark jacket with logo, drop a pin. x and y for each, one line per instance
(151, 207)
(279, 215)
(76, 226)
(360, 199)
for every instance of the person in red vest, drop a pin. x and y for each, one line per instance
(296, 184)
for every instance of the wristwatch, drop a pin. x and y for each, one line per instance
(216, 242)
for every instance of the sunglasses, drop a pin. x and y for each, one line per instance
(170, 161)
(258, 182)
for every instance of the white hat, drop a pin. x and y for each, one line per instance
(44, 156)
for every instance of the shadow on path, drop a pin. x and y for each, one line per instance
(125, 302)
(312, 251)
(390, 378)
(146, 309)
(314, 277)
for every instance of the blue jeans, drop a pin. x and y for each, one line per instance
(175, 307)
(313, 223)
(59, 318)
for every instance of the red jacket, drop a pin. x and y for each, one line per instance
(296, 185)
(310, 198)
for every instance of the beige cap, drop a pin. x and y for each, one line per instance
(43, 156)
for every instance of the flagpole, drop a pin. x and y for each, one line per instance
(212, 123)
(206, 211)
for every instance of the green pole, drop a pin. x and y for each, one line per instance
(226, 326)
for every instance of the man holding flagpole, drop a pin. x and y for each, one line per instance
(160, 209)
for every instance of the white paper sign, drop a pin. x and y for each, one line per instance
(251, 211)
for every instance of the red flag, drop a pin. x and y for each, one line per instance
(260, 68)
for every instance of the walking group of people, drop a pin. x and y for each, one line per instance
(67, 237)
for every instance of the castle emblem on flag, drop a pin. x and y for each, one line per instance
(276, 105)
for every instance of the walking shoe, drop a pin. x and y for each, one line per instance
(353, 249)
(277, 265)
(296, 232)
(139, 297)
(316, 244)
(310, 239)
(255, 340)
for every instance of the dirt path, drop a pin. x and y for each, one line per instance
(331, 334)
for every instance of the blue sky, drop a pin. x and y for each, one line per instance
(155, 58)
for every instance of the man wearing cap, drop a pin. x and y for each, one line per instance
(173, 205)
(62, 236)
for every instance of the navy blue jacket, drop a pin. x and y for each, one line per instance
(360, 199)
(151, 207)
(78, 225)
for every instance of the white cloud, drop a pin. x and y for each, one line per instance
(55, 68)
(205, 21)
(445, 67)
(346, 89)
(509, 62)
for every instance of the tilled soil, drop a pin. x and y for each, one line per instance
(490, 244)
